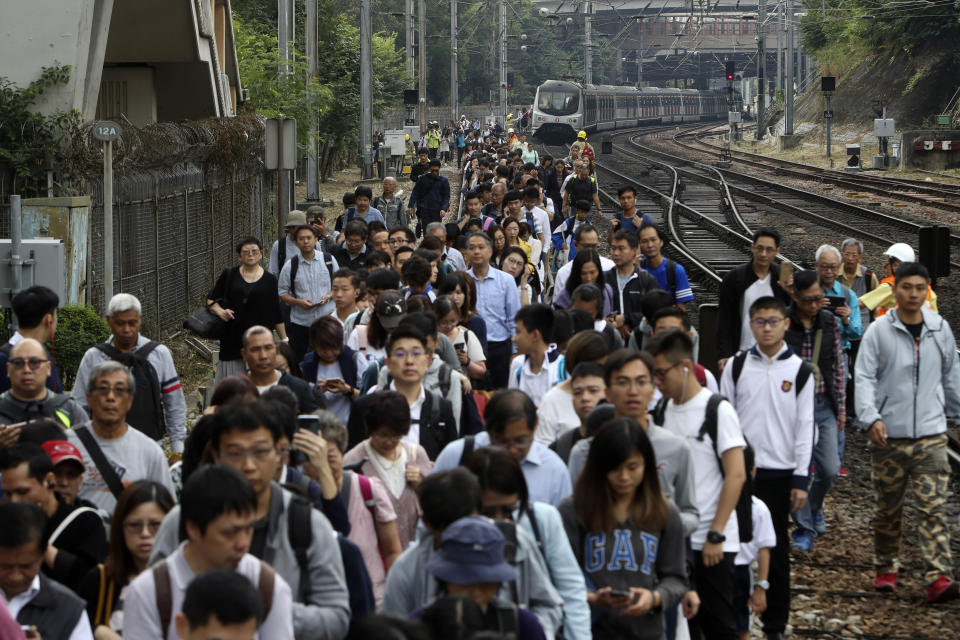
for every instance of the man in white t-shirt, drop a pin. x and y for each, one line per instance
(536, 370)
(218, 511)
(720, 474)
(131, 455)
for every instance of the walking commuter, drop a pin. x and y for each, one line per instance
(628, 218)
(430, 197)
(814, 334)
(862, 281)
(352, 252)
(581, 186)
(159, 408)
(538, 369)
(305, 283)
(710, 426)
(907, 420)
(671, 277)
(772, 389)
(557, 412)
(628, 281)
(390, 205)
(585, 237)
(882, 299)
(740, 287)
(36, 312)
(260, 353)
(29, 398)
(244, 296)
(280, 253)
(220, 602)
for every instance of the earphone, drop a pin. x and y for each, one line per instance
(685, 370)
(51, 485)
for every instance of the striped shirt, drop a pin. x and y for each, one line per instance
(171, 392)
(312, 283)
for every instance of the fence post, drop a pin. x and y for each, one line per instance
(156, 245)
(186, 241)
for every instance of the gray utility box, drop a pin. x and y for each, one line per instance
(45, 264)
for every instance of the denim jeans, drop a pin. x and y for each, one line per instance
(826, 460)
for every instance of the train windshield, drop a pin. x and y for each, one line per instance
(559, 102)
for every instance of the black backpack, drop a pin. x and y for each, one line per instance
(295, 267)
(709, 428)
(300, 534)
(146, 414)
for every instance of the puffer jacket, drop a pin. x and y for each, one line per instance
(913, 387)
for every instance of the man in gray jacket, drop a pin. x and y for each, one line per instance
(28, 398)
(445, 497)
(907, 383)
(245, 439)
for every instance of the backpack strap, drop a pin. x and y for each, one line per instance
(106, 469)
(265, 586)
(469, 443)
(709, 426)
(366, 490)
(445, 374)
(164, 595)
(345, 489)
(671, 269)
(659, 410)
(300, 533)
(294, 267)
(281, 253)
(328, 262)
(738, 361)
(145, 351)
(73, 515)
(803, 374)
(98, 617)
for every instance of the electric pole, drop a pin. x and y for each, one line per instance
(780, 48)
(588, 47)
(788, 84)
(408, 17)
(454, 70)
(366, 79)
(422, 11)
(761, 65)
(502, 29)
(311, 43)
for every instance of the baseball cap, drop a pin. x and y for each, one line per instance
(62, 451)
(471, 552)
(391, 307)
(296, 218)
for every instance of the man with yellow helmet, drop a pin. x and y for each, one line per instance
(582, 146)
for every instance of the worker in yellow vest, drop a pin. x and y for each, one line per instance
(881, 299)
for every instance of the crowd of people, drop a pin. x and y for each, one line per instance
(439, 421)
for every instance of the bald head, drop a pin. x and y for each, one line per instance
(28, 369)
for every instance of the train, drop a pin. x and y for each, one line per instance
(561, 108)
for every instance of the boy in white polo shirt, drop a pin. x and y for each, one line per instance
(535, 371)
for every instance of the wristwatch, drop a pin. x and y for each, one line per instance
(715, 537)
(763, 584)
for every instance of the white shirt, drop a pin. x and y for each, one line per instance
(755, 291)
(533, 384)
(685, 420)
(82, 629)
(563, 273)
(413, 436)
(764, 536)
(542, 218)
(555, 415)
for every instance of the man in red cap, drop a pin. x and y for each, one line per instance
(68, 469)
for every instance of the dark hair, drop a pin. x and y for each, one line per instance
(233, 387)
(531, 191)
(119, 564)
(649, 225)
(582, 229)
(383, 279)
(197, 448)
(375, 226)
(402, 249)
(453, 618)
(582, 205)
(416, 271)
(23, 523)
(357, 227)
(433, 244)
(248, 240)
(587, 369)
(42, 430)
(621, 358)
(348, 199)
(363, 190)
(625, 188)
(673, 312)
(472, 195)
(497, 470)
(465, 281)
(803, 280)
(326, 332)
(513, 194)
(581, 319)
(37, 460)
(614, 443)
(447, 496)
(537, 317)
(654, 300)
(406, 232)
(350, 275)
(442, 307)
(378, 626)
(212, 491)
(285, 350)
(423, 321)
(280, 414)
(411, 331)
(768, 232)
(388, 410)
(575, 279)
(223, 594)
(589, 292)
(507, 406)
(907, 269)
(32, 304)
(243, 418)
(674, 345)
(419, 303)
(376, 259)
(435, 163)
(768, 302)
(302, 227)
(628, 236)
(583, 347)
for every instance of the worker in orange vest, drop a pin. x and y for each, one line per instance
(881, 298)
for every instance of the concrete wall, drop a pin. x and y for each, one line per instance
(938, 160)
(129, 91)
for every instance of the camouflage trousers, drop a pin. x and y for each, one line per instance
(924, 463)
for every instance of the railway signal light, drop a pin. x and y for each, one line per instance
(731, 71)
(510, 80)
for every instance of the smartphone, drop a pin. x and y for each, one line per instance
(460, 346)
(786, 272)
(619, 593)
(309, 422)
(837, 301)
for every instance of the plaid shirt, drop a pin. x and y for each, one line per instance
(839, 366)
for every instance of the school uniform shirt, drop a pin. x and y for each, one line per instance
(555, 415)
(537, 384)
(764, 537)
(685, 420)
(762, 287)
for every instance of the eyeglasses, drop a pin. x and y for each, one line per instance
(828, 267)
(810, 299)
(33, 363)
(760, 323)
(400, 354)
(383, 437)
(499, 512)
(521, 443)
(627, 383)
(250, 252)
(448, 324)
(660, 374)
(105, 389)
(134, 527)
(238, 456)
(760, 249)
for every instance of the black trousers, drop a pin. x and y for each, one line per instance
(425, 217)
(498, 362)
(299, 339)
(716, 619)
(773, 487)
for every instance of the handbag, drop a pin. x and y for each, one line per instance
(204, 323)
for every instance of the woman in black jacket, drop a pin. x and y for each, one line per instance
(244, 296)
